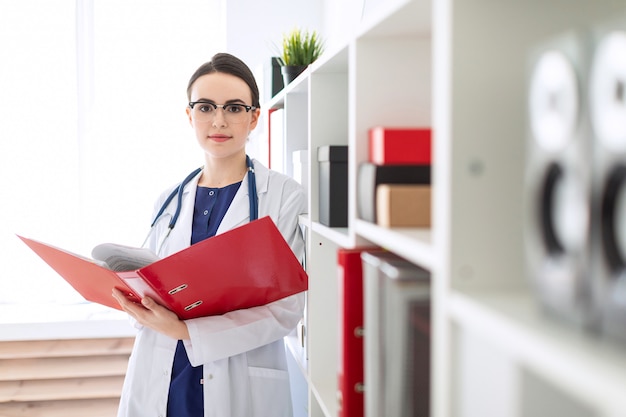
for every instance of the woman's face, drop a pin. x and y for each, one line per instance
(223, 135)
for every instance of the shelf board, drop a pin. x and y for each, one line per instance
(304, 220)
(588, 368)
(326, 399)
(338, 235)
(297, 351)
(413, 244)
(298, 86)
(332, 61)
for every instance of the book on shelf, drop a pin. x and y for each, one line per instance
(403, 205)
(371, 175)
(399, 145)
(245, 267)
(396, 320)
(394, 185)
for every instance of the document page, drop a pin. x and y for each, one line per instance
(122, 258)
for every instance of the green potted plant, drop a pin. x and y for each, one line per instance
(299, 49)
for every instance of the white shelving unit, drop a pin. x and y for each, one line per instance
(461, 67)
(496, 352)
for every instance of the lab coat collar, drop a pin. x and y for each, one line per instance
(238, 213)
(181, 234)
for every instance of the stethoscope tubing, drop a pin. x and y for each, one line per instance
(178, 192)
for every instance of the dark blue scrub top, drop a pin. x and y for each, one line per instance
(185, 396)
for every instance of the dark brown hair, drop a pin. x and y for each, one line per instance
(228, 64)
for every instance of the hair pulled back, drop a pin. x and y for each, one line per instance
(227, 64)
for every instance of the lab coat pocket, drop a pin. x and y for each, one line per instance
(269, 391)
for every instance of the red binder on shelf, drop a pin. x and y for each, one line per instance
(399, 145)
(350, 374)
(248, 266)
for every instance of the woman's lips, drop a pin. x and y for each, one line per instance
(219, 138)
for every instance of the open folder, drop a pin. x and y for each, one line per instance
(248, 266)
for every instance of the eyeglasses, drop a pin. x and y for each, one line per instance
(205, 111)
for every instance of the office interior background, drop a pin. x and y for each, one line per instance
(94, 124)
(92, 95)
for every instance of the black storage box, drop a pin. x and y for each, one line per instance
(277, 76)
(333, 185)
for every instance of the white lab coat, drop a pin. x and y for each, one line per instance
(245, 368)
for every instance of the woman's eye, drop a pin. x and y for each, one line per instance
(206, 108)
(233, 108)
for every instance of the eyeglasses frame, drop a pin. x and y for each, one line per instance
(222, 106)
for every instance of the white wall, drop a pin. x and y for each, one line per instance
(78, 184)
(254, 28)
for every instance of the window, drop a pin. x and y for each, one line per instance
(81, 158)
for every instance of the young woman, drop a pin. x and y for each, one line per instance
(232, 365)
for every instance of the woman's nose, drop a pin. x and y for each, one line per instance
(219, 117)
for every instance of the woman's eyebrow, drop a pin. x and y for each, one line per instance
(204, 100)
(231, 101)
(235, 100)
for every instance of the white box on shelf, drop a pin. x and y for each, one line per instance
(301, 168)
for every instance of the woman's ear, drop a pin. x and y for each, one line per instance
(255, 118)
(188, 110)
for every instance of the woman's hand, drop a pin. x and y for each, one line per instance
(153, 315)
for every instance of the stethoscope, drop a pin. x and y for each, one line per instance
(178, 194)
